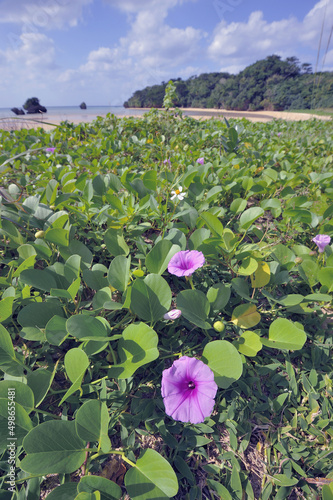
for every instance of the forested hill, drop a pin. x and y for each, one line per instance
(271, 84)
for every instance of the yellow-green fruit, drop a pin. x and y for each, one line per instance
(218, 326)
(138, 273)
(39, 234)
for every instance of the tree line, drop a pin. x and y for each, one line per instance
(269, 84)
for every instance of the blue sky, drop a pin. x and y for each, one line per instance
(101, 51)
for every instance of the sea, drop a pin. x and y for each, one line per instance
(75, 112)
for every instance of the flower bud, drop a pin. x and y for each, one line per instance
(218, 326)
(138, 273)
(173, 314)
(39, 234)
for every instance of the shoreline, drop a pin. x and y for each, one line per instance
(18, 122)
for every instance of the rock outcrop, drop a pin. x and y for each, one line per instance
(18, 111)
(83, 105)
(36, 108)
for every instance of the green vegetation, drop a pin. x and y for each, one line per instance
(270, 84)
(90, 217)
(32, 101)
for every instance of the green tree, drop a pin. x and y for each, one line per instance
(32, 101)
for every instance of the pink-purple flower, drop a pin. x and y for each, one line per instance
(173, 314)
(201, 161)
(321, 240)
(185, 262)
(188, 390)
(50, 150)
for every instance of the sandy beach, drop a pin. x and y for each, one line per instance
(48, 123)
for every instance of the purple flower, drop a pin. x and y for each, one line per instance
(173, 314)
(167, 161)
(50, 150)
(185, 262)
(201, 161)
(278, 134)
(188, 390)
(322, 240)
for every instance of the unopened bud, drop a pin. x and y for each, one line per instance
(39, 234)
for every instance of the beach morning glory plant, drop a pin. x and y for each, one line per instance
(321, 240)
(188, 390)
(201, 161)
(185, 262)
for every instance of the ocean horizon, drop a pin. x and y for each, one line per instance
(68, 112)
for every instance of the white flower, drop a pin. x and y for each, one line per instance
(173, 314)
(178, 194)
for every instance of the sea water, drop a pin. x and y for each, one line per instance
(75, 112)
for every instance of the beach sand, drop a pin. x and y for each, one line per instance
(48, 123)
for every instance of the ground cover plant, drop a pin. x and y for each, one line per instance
(166, 310)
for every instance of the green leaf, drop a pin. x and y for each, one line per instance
(223, 358)
(76, 363)
(150, 297)
(37, 278)
(284, 256)
(220, 489)
(283, 480)
(218, 296)
(108, 489)
(249, 216)
(55, 330)
(283, 334)
(115, 242)
(238, 206)
(151, 478)
(119, 272)
(325, 277)
(245, 316)
(22, 423)
(66, 491)
(137, 347)
(53, 447)
(195, 307)
(327, 492)
(9, 361)
(83, 326)
(6, 308)
(247, 266)
(213, 223)
(158, 258)
(40, 381)
(89, 422)
(23, 394)
(39, 313)
(58, 236)
(249, 343)
(261, 276)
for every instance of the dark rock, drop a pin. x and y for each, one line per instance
(18, 111)
(83, 105)
(36, 108)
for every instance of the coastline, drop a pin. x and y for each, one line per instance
(48, 123)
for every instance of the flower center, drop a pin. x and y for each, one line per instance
(177, 191)
(191, 385)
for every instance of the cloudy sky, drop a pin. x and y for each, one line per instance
(101, 51)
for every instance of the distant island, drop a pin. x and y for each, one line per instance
(269, 84)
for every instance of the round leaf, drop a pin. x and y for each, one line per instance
(118, 274)
(225, 361)
(249, 343)
(108, 489)
(283, 334)
(195, 307)
(158, 258)
(53, 447)
(245, 316)
(249, 216)
(151, 478)
(137, 347)
(150, 298)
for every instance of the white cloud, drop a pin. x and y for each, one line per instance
(234, 44)
(33, 15)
